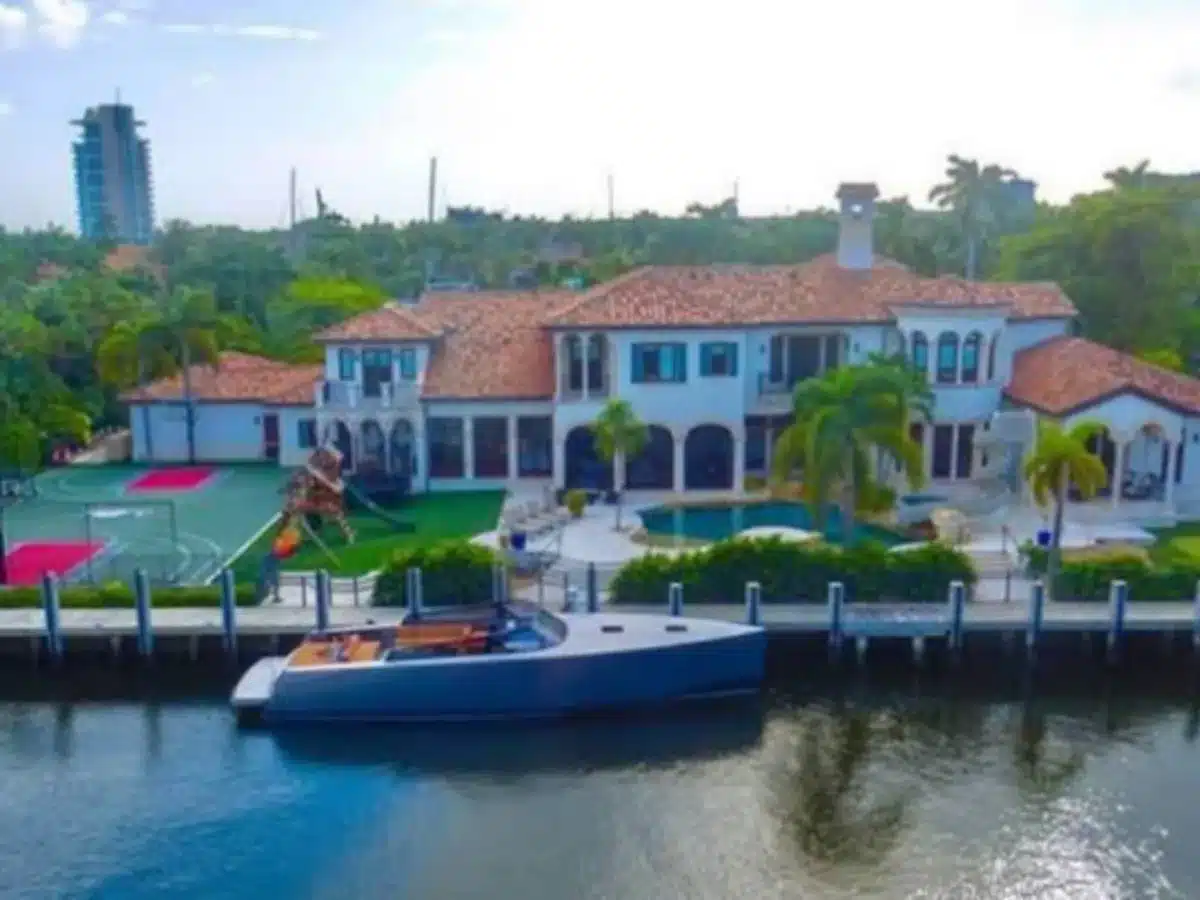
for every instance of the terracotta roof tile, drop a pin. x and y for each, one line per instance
(817, 291)
(388, 323)
(239, 378)
(494, 344)
(1065, 375)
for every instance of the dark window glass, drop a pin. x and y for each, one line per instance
(943, 450)
(445, 448)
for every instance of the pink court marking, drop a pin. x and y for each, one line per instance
(28, 562)
(184, 478)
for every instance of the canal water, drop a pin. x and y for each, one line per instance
(854, 793)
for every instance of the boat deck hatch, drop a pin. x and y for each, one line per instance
(676, 628)
(612, 629)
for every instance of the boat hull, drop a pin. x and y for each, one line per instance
(583, 675)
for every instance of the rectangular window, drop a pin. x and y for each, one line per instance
(943, 450)
(833, 351)
(756, 445)
(964, 451)
(490, 442)
(659, 363)
(407, 360)
(718, 358)
(535, 447)
(947, 359)
(446, 448)
(346, 363)
(306, 434)
(775, 360)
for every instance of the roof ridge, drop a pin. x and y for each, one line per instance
(598, 291)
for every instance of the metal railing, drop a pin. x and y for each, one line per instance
(352, 395)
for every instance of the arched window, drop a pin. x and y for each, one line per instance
(920, 352)
(970, 357)
(991, 365)
(947, 358)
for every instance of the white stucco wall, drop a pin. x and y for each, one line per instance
(290, 451)
(225, 432)
(332, 351)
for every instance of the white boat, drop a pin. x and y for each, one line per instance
(502, 662)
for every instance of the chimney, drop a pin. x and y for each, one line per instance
(856, 243)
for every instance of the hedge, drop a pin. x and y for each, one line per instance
(1089, 580)
(453, 573)
(791, 572)
(117, 595)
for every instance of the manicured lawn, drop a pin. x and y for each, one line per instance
(437, 517)
(1178, 544)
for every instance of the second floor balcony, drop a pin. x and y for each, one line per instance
(380, 396)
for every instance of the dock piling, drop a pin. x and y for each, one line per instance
(837, 603)
(412, 593)
(675, 599)
(753, 603)
(304, 590)
(593, 589)
(958, 602)
(1196, 619)
(229, 613)
(141, 601)
(50, 608)
(1037, 612)
(1118, 599)
(323, 600)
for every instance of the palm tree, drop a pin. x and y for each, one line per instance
(619, 434)
(1060, 459)
(843, 422)
(971, 192)
(1124, 177)
(185, 330)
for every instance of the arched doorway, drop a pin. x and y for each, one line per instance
(654, 467)
(584, 467)
(1102, 445)
(372, 460)
(339, 432)
(401, 458)
(708, 458)
(1147, 464)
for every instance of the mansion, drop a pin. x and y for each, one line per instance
(497, 388)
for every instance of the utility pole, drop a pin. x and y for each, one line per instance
(612, 208)
(432, 188)
(292, 201)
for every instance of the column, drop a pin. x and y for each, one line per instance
(560, 462)
(1169, 487)
(514, 470)
(821, 360)
(678, 444)
(739, 462)
(468, 430)
(1118, 476)
(421, 451)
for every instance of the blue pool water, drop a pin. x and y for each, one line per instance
(869, 795)
(922, 499)
(714, 523)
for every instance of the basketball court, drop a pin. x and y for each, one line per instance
(181, 524)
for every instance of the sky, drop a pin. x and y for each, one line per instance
(529, 105)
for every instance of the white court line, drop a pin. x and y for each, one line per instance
(245, 546)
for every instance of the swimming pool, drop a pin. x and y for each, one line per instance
(713, 523)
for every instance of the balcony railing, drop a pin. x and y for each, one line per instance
(352, 395)
(595, 392)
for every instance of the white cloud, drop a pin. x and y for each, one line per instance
(61, 22)
(14, 22)
(204, 79)
(116, 17)
(260, 32)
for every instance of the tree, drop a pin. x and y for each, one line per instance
(1126, 177)
(1061, 459)
(20, 447)
(973, 194)
(619, 435)
(846, 422)
(186, 330)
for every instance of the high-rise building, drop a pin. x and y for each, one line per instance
(112, 176)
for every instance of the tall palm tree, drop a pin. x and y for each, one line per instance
(1126, 177)
(1060, 459)
(971, 192)
(846, 420)
(619, 434)
(184, 331)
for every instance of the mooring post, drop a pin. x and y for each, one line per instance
(571, 599)
(412, 593)
(304, 590)
(50, 606)
(354, 587)
(499, 586)
(675, 599)
(141, 601)
(593, 589)
(1196, 619)
(958, 602)
(322, 600)
(1037, 612)
(837, 603)
(1118, 598)
(229, 613)
(753, 603)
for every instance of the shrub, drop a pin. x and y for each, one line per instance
(1088, 576)
(754, 484)
(453, 573)
(791, 572)
(117, 595)
(576, 502)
